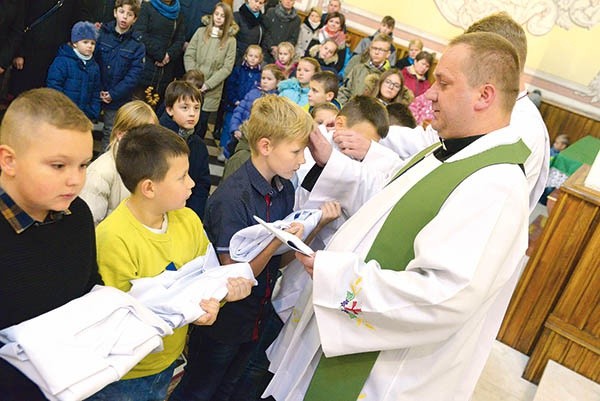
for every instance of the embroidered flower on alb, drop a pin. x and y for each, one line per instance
(351, 307)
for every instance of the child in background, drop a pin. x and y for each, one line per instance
(148, 232)
(243, 79)
(183, 103)
(309, 30)
(560, 143)
(324, 113)
(120, 55)
(278, 133)
(415, 46)
(296, 89)
(104, 189)
(270, 78)
(327, 56)
(48, 250)
(400, 115)
(212, 51)
(415, 75)
(75, 73)
(390, 88)
(386, 27)
(323, 88)
(286, 56)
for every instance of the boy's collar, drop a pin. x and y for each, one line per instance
(19, 219)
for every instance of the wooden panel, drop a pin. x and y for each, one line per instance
(562, 121)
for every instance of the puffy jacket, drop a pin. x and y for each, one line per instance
(79, 81)
(241, 81)
(121, 61)
(292, 89)
(242, 112)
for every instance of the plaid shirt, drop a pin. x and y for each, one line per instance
(19, 219)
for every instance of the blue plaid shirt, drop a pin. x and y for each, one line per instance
(19, 219)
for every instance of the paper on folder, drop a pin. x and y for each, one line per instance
(293, 242)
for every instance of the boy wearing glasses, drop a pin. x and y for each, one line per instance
(373, 62)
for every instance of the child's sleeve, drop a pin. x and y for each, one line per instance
(241, 113)
(57, 75)
(189, 57)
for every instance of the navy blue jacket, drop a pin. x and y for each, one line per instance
(241, 81)
(199, 170)
(79, 81)
(121, 61)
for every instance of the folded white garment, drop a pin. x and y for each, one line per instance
(175, 295)
(75, 350)
(247, 243)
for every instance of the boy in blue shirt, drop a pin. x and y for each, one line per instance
(120, 55)
(277, 134)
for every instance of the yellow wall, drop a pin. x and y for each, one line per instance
(569, 54)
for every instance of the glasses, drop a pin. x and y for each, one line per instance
(379, 49)
(392, 84)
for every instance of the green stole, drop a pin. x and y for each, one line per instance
(343, 377)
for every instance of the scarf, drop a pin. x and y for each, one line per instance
(284, 15)
(185, 133)
(338, 37)
(313, 27)
(168, 11)
(83, 58)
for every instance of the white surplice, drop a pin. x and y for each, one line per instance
(435, 321)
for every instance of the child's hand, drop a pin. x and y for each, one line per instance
(19, 63)
(330, 211)
(237, 134)
(238, 288)
(105, 96)
(211, 307)
(237, 103)
(296, 228)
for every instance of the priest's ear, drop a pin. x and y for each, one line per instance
(487, 96)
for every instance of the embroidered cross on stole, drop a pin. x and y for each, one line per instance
(343, 377)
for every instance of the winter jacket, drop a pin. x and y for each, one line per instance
(103, 189)
(78, 80)
(121, 61)
(160, 36)
(250, 33)
(215, 61)
(292, 89)
(279, 27)
(242, 112)
(198, 170)
(306, 34)
(333, 64)
(241, 81)
(355, 81)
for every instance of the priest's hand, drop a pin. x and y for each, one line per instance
(352, 143)
(307, 261)
(211, 307)
(319, 147)
(238, 288)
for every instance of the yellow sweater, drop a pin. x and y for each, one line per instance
(128, 250)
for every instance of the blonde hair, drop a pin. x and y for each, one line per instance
(277, 119)
(291, 49)
(42, 105)
(416, 42)
(131, 115)
(225, 34)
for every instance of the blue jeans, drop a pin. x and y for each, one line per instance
(213, 368)
(149, 388)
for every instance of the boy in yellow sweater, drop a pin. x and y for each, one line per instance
(147, 233)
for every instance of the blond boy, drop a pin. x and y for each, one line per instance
(47, 251)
